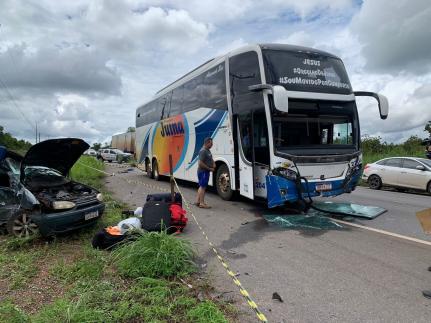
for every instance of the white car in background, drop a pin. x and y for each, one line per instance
(112, 154)
(399, 172)
(90, 152)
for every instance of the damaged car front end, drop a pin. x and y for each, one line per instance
(46, 200)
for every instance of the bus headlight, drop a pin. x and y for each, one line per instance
(62, 205)
(99, 197)
(285, 172)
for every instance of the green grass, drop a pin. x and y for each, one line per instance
(206, 312)
(11, 313)
(143, 300)
(155, 255)
(18, 267)
(86, 175)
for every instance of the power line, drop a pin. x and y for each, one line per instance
(16, 104)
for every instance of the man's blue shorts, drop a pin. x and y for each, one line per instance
(203, 177)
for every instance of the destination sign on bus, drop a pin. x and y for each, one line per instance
(299, 71)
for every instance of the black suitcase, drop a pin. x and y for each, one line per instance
(166, 197)
(156, 216)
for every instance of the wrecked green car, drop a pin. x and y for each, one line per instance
(37, 196)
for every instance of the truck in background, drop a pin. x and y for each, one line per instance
(124, 141)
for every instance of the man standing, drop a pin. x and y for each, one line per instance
(205, 166)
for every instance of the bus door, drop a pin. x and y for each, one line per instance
(261, 152)
(245, 158)
(254, 154)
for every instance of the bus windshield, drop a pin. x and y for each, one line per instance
(306, 72)
(316, 128)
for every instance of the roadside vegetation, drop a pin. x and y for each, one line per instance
(373, 149)
(10, 142)
(66, 280)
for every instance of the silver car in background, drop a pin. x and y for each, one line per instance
(399, 172)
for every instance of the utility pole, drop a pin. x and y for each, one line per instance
(36, 132)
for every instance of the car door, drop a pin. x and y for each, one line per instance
(412, 177)
(391, 171)
(9, 202)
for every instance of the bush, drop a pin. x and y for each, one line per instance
(154, 255)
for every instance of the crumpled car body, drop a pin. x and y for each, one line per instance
(37, 196)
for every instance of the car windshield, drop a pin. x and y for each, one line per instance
(13, 165)
(41, 171)
(316, 127)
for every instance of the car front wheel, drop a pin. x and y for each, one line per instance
(375, 182)
(429, 188)
(21, 225)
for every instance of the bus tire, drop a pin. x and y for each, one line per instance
(148, 168)
(222, 183)
(155, 171)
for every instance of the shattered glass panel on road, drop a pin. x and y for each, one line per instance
(355, 210)
(320, 220)
(312, 220)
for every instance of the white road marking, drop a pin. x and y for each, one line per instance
(384, 232)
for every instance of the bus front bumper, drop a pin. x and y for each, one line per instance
(281, 190)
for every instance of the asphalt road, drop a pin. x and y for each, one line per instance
(344, 275)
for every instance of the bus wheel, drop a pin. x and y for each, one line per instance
(148, 169)
(222, 182)
(155, 171)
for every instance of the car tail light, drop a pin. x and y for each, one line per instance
(366, 166)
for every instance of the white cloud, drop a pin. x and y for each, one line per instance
(395, 34)
(81, 68)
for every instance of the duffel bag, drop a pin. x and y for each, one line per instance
(165, 197)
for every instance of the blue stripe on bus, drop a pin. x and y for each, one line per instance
(144, 152)
(199, 122)
(209, 128)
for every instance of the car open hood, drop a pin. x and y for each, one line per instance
(59, 154)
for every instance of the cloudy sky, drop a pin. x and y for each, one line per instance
(80, 68)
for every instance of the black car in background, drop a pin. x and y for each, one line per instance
(37, 196)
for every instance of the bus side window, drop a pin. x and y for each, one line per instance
(176, 102)
(243, 72)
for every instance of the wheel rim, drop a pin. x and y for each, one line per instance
(374, 182)
(224, 182)
(23, 226)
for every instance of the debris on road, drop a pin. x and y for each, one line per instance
(277, 297)
(304, 221)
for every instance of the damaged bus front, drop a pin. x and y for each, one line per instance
(315, 137)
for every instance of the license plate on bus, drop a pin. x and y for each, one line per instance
(91, 215)
(323, 187)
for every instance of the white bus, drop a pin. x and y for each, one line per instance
(283, 120)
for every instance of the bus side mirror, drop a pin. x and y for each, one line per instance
(281, 100)
(381, 100)
(279, 93)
